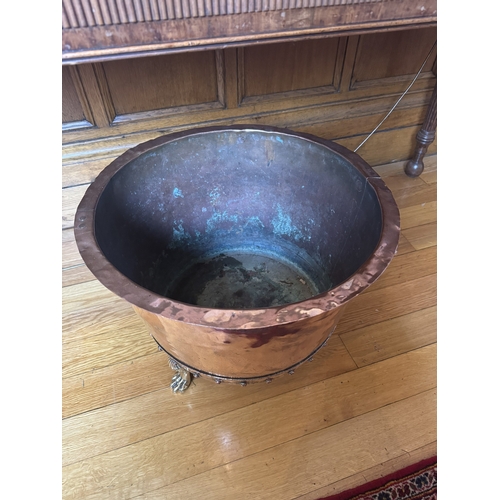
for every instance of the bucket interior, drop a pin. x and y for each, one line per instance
(238, 219)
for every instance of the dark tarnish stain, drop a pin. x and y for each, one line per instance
(263, 336)
(175, 310)
(159, 308)
(247, 282)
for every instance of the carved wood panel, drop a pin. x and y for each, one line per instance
(251, 84)
(88, 13)
(292, 66)
(76, 110)
(389, 57)
(72, 110)
(155, 83)
(101, 30)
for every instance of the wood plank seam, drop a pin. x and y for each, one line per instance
(380, 361)
(345, 347)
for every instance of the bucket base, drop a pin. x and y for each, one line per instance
(237, 280)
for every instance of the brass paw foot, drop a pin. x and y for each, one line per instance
(182, 378)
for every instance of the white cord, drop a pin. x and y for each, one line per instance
(402, 95)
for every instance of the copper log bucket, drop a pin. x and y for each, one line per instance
(239, 246)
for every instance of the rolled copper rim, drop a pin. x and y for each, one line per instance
(234, 319)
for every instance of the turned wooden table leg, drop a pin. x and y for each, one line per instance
(425, 136)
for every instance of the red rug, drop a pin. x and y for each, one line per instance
(416, 482)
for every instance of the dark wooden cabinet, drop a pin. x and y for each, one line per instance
(254, 83)
(102, 29)
(338, 86)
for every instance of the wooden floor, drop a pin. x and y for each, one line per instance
(364, 407)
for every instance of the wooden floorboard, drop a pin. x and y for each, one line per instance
(75, 275)
(204, 401)
(422, 236)
(71, 255)
(114, 346)
(416, 215)
(392, 337)
(313, 460)
(363, 408)
(70, 199)
(415, 195)
(429, 175)
(89, 308)
(380, 305)
(407, 267)
(403, 460)
(235, 435)
(404, 246)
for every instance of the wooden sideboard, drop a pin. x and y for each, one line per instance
(96, 30)
(330, 70)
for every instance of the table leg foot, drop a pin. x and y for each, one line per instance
(425, 137)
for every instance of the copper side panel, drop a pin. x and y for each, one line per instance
(252, 353)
